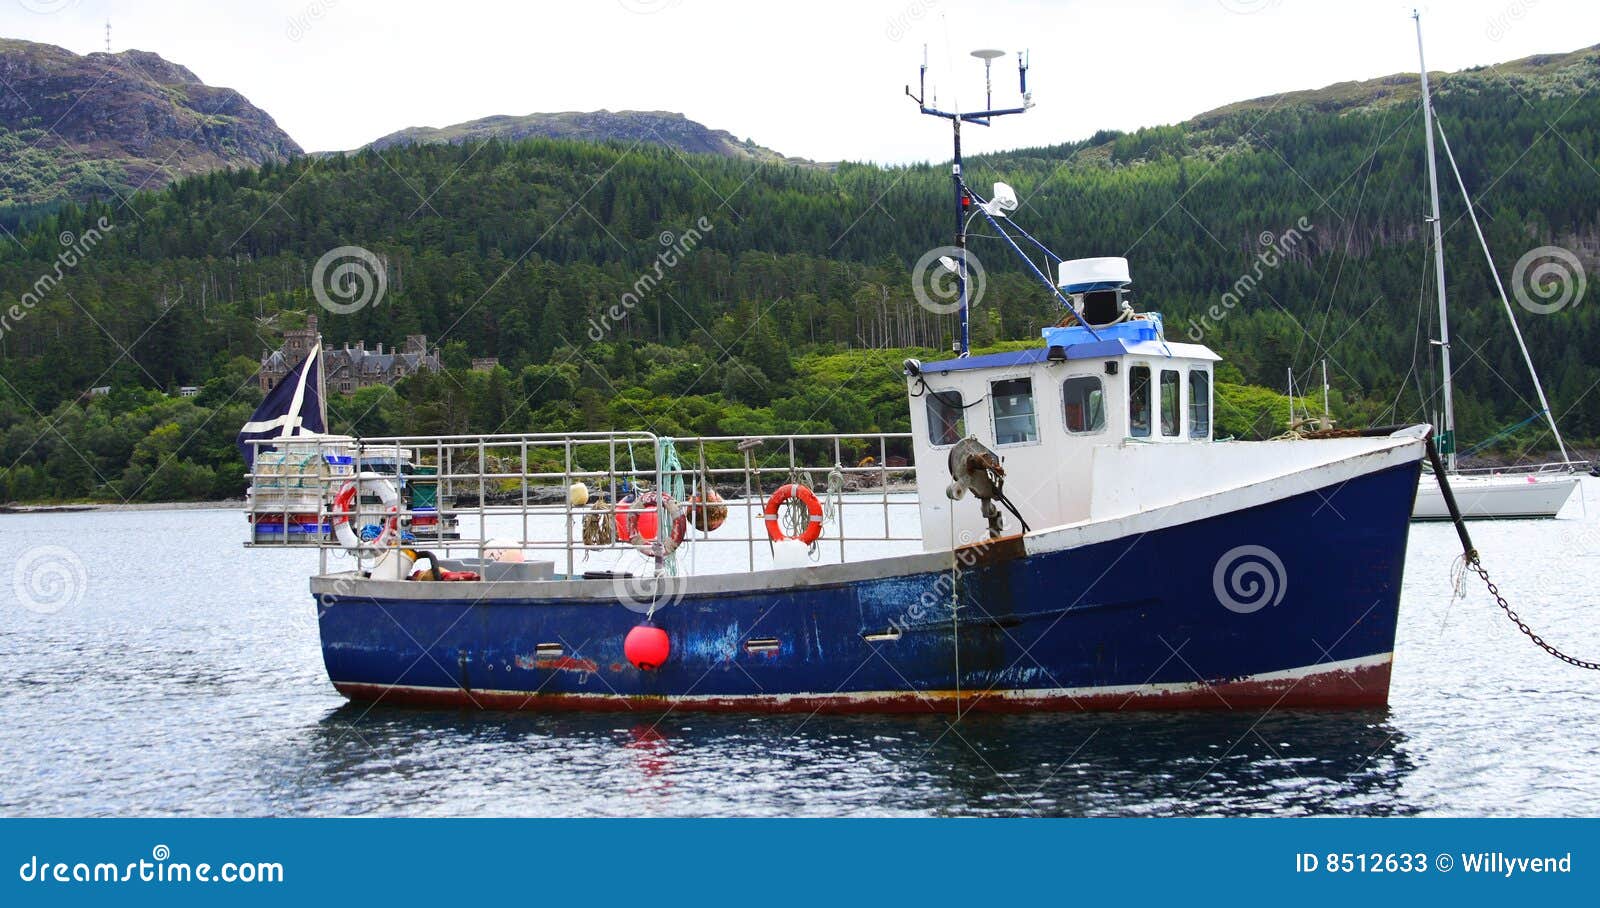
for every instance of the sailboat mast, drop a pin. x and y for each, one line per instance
(1327, 413)
(1448, 430)
(1538, 386)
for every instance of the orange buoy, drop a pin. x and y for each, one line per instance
(706, 510)
(647, 647)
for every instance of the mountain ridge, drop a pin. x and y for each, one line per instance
(667, 128)
(1537, 70)
(104, 125)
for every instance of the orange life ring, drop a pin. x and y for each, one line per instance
(813, 529)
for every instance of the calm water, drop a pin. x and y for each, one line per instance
(187, 680)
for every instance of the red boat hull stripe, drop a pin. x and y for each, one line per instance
(1353, 684)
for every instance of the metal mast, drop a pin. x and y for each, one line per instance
(1448, 430)
(981, 118)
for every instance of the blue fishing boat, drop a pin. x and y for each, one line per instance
(1060, 530)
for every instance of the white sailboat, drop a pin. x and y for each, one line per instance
(1481, 494)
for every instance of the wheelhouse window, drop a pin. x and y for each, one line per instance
(1199, 403)
(946, 422)
(1139, 402)
(1169, 403)
(1083, 403)
(1012, 403)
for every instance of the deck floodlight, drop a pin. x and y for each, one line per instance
(1004, 200)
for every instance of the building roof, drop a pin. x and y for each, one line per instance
(357, 360)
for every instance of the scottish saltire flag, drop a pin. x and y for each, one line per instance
(294, 407)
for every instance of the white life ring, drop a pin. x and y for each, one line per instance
(345, 505)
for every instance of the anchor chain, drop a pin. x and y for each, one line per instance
(1469, 555)
(1523, 625)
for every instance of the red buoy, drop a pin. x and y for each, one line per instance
(621, 516)
(646, 647)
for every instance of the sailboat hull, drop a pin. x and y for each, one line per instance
(1492, 497)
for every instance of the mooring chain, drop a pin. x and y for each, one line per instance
(1523, 625)
(1469, 552)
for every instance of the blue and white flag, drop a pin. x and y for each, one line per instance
(294, 407)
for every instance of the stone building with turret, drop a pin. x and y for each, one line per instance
(348, 368)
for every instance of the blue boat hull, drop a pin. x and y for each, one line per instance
(1171, 618)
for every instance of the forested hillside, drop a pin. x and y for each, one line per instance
(789, 307)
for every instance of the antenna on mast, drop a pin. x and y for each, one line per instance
(980, 118)
(108, 35)
(988, 57)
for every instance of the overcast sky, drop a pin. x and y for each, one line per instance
(819, 79)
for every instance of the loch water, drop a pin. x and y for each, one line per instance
(182, 676)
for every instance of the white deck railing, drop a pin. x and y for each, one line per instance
(504, 486)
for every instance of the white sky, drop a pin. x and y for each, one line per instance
(820, 79)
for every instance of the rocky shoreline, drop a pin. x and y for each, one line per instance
(79, 507)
